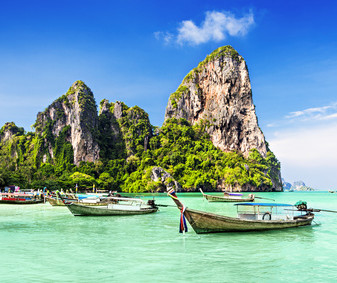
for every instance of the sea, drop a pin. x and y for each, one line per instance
(42, 243)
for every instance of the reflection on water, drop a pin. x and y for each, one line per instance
(47, 243)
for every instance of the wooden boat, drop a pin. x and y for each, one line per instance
(86, 199)
(54, 201)
(115, 206)
(228, 197)
(20, 198)
(259, 217)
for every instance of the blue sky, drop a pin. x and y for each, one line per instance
(138, 52)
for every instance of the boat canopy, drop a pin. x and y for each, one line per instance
(124, 199)
(234, 194)
(263, 204)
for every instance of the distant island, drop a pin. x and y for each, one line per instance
(296, 186)
(210, 139)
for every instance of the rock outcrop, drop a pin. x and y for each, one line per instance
(219, 93)
(9, 130)
(111, 141)
(159, 174)
(76, 109)
(128, 127)
(296, 186)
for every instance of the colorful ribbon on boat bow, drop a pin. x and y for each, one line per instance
(183, 225)
(172, 194)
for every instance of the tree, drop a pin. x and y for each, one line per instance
(105, 181)
(83, 180)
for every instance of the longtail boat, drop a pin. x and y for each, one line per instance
(55, 201)
(21, 198)
(115, 206)
(259, 216)
(228, 197)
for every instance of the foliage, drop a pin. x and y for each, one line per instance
(11, 127)
(64, 154)
(190, 157)
(82, 180)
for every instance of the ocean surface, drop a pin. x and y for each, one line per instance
(42, 243)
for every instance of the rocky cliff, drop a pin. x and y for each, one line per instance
(75, 116)
(124, 130)
(70, 127)
(296, 186)
(218, 92)
(9, 130)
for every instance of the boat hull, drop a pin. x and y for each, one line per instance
(21, 198)
(21, 202)
(84, 210)
(204, 222)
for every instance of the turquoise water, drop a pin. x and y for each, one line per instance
(41, 243)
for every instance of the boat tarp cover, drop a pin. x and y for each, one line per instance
(263, 204)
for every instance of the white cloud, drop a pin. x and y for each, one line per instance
(165, 36)
(316, 113)
(329, 117)
(216, 27)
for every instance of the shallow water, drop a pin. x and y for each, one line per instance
(41, 243)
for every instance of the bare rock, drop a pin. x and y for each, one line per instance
(77, 109)
(159, 174)
(218, 93)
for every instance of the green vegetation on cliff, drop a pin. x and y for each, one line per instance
(190, 157)
(11, 128)
(182, 150)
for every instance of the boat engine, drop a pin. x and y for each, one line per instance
(151, 203)
(301, 205)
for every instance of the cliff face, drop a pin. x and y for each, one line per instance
(112, 145)
(129, 128)
(70, 128)
(219, 93)
(75, 111)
